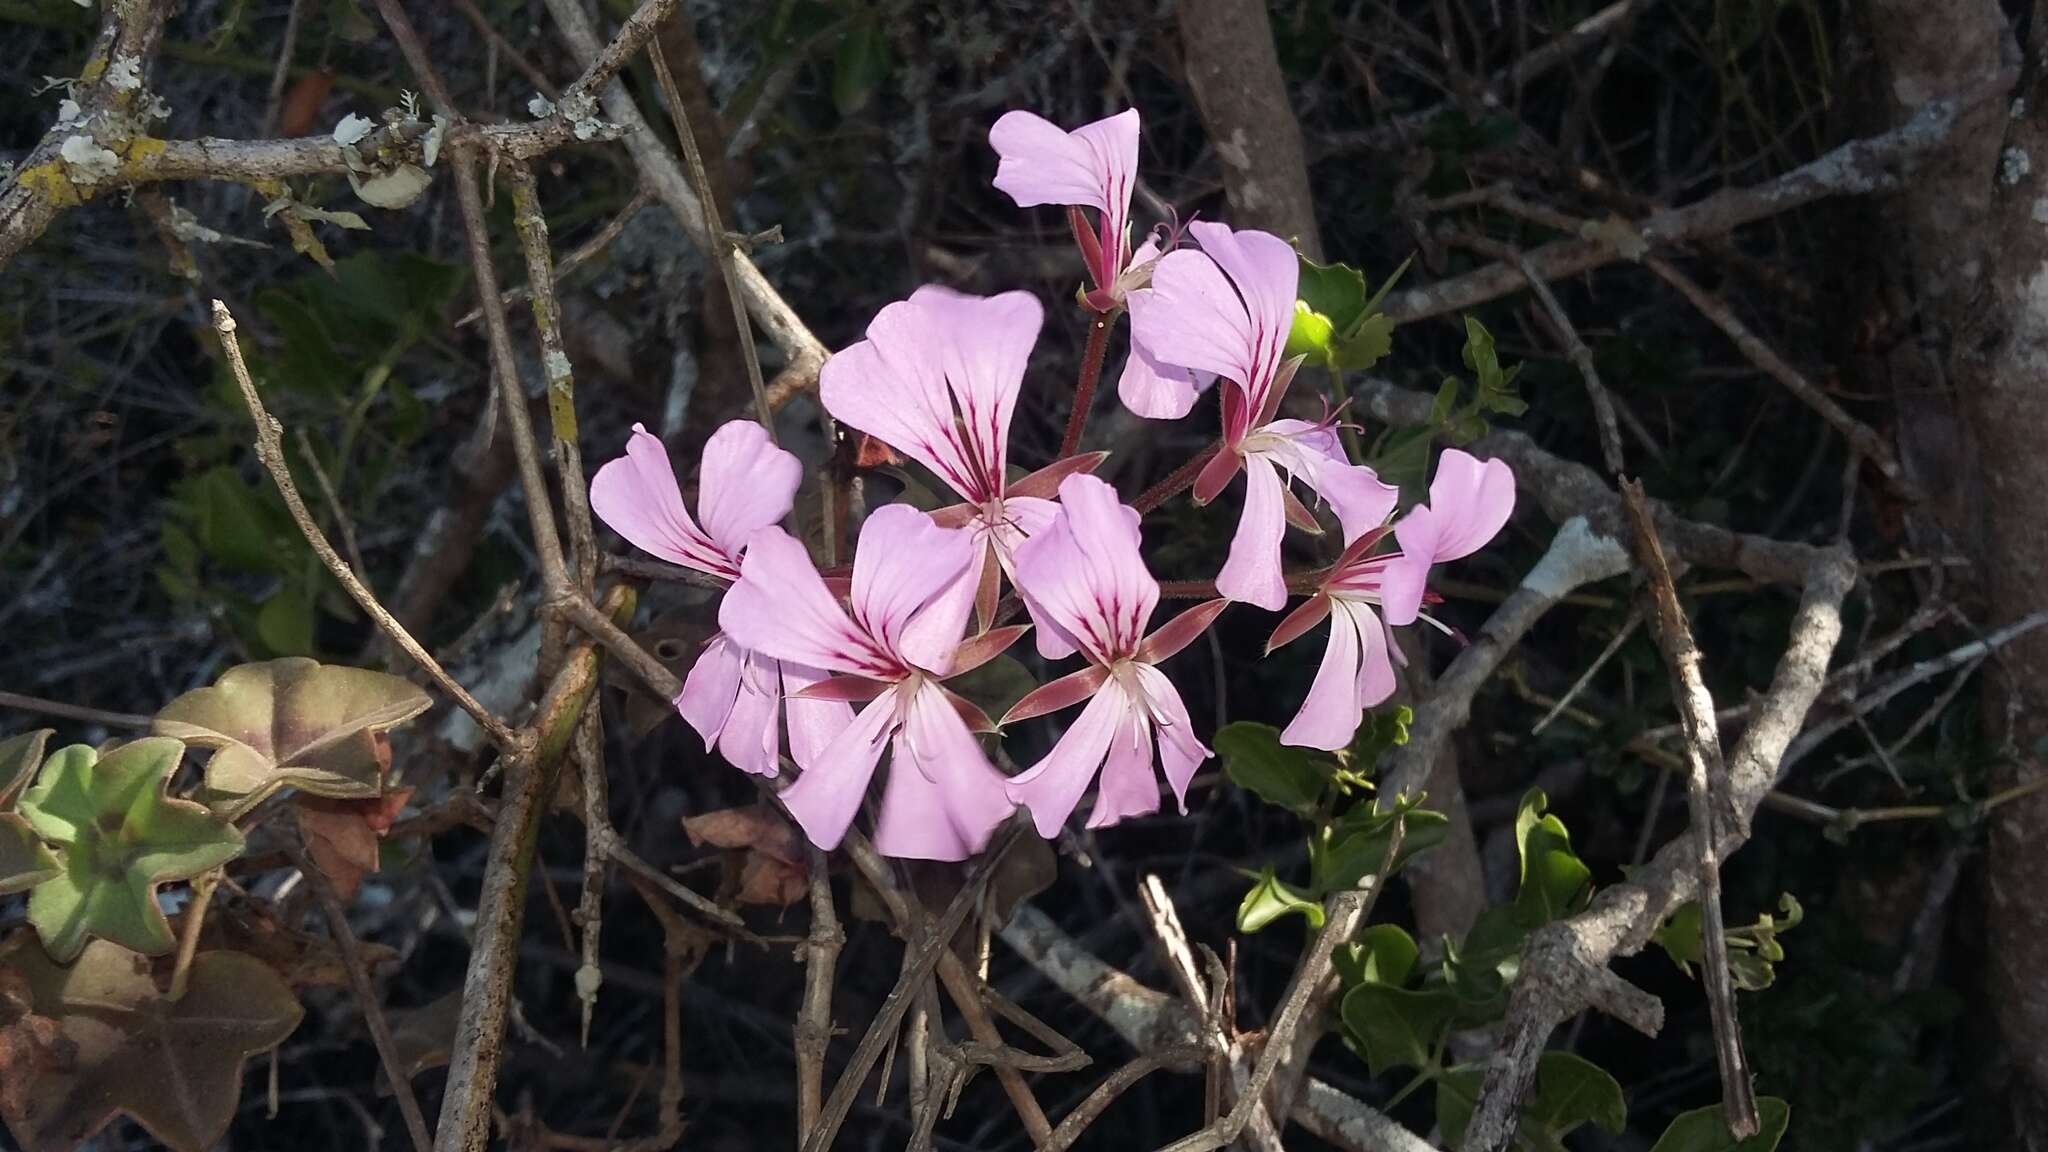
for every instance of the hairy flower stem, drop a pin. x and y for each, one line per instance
(1099, 324)
(1178, 481)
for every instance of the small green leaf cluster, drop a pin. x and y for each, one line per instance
(1459, 414)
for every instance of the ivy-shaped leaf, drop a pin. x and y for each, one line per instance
(1335, 322)
(174, 1066)
(294, 722)
(20, 756)
(1380, 954)
(1280, 774)
(1553, 876)
(1753, 950)
(1704, 1130)
(1357, 845)
(1270, 899)
(1395, 1027)
(25, 861)
(1570, 1092)
(119, 836)
(1480, 968)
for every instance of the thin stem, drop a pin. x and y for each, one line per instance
(188, 938)
(723, 249)
(1099, 324)
(366, 994)
(37, 704)
(814, 1019)
(1177, 481)
(270, 450)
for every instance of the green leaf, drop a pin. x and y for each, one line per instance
(1384, 729)
(1335, 322)
(1310, 334)
(25, 861)
(295, 722)
(1457, 1094)
(1382, 954)
(1358, 845)
(1367, 346)
(1553, 877)
(20, 756)
(231, 522)
(859, 66)
(1270, 899)
(1333, 291)
(284, 622)
(1571, 1091)
(1280, 774)
(1396, 1027)
(120, 837)
(1704, 1130)
(174, 1066)
(1680, 937)
(1480, 968)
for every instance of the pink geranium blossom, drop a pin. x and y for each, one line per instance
(942, 798)
(733, 697)
(1468, 503)
(1227, 310)
(1096, 166)
(1093, 594)
(937, 379)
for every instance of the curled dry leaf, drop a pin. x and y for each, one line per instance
(122, 1046)
(342, 836)
(118, 836)
(773, 869)
(294, 722)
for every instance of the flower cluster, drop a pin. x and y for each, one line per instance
(855, 665)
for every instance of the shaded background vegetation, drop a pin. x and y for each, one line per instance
(141, 551)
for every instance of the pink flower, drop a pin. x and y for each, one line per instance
(937, 379)
(1468, 503)
(1227, 310)
(942, 798)
(1094, 166)
(1090, 586)
(732, 697)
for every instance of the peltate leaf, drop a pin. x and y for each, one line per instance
(1397, 1028)
(25, 861)
(1280, 774)
(296, 722)
(175, 1067)
(20, 756)
(1271, 899)
(1553, 877)
(1704, 1130)
(1571, 1091)
(119, 837)
(1381, 954)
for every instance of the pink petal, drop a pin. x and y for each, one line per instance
(1129, 787)
(1402, 583)
(637, 497)
(901, 565)
(824, 799)
(1331, 713)
(1356, 494)
(1193, 319)
(1053, 787)
(892, 387)
(1085, 575)
(1094, 166)
(1155, 390)
(1180, 753)
(780, 607)
(751, 740)
(1375, 669)
(1023, 517)
(983, 343)
(1265, 271)
(1252, 574)
(1469, 501)
(744, 482)
(943, 798)
(708, 691)
(813, 724)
